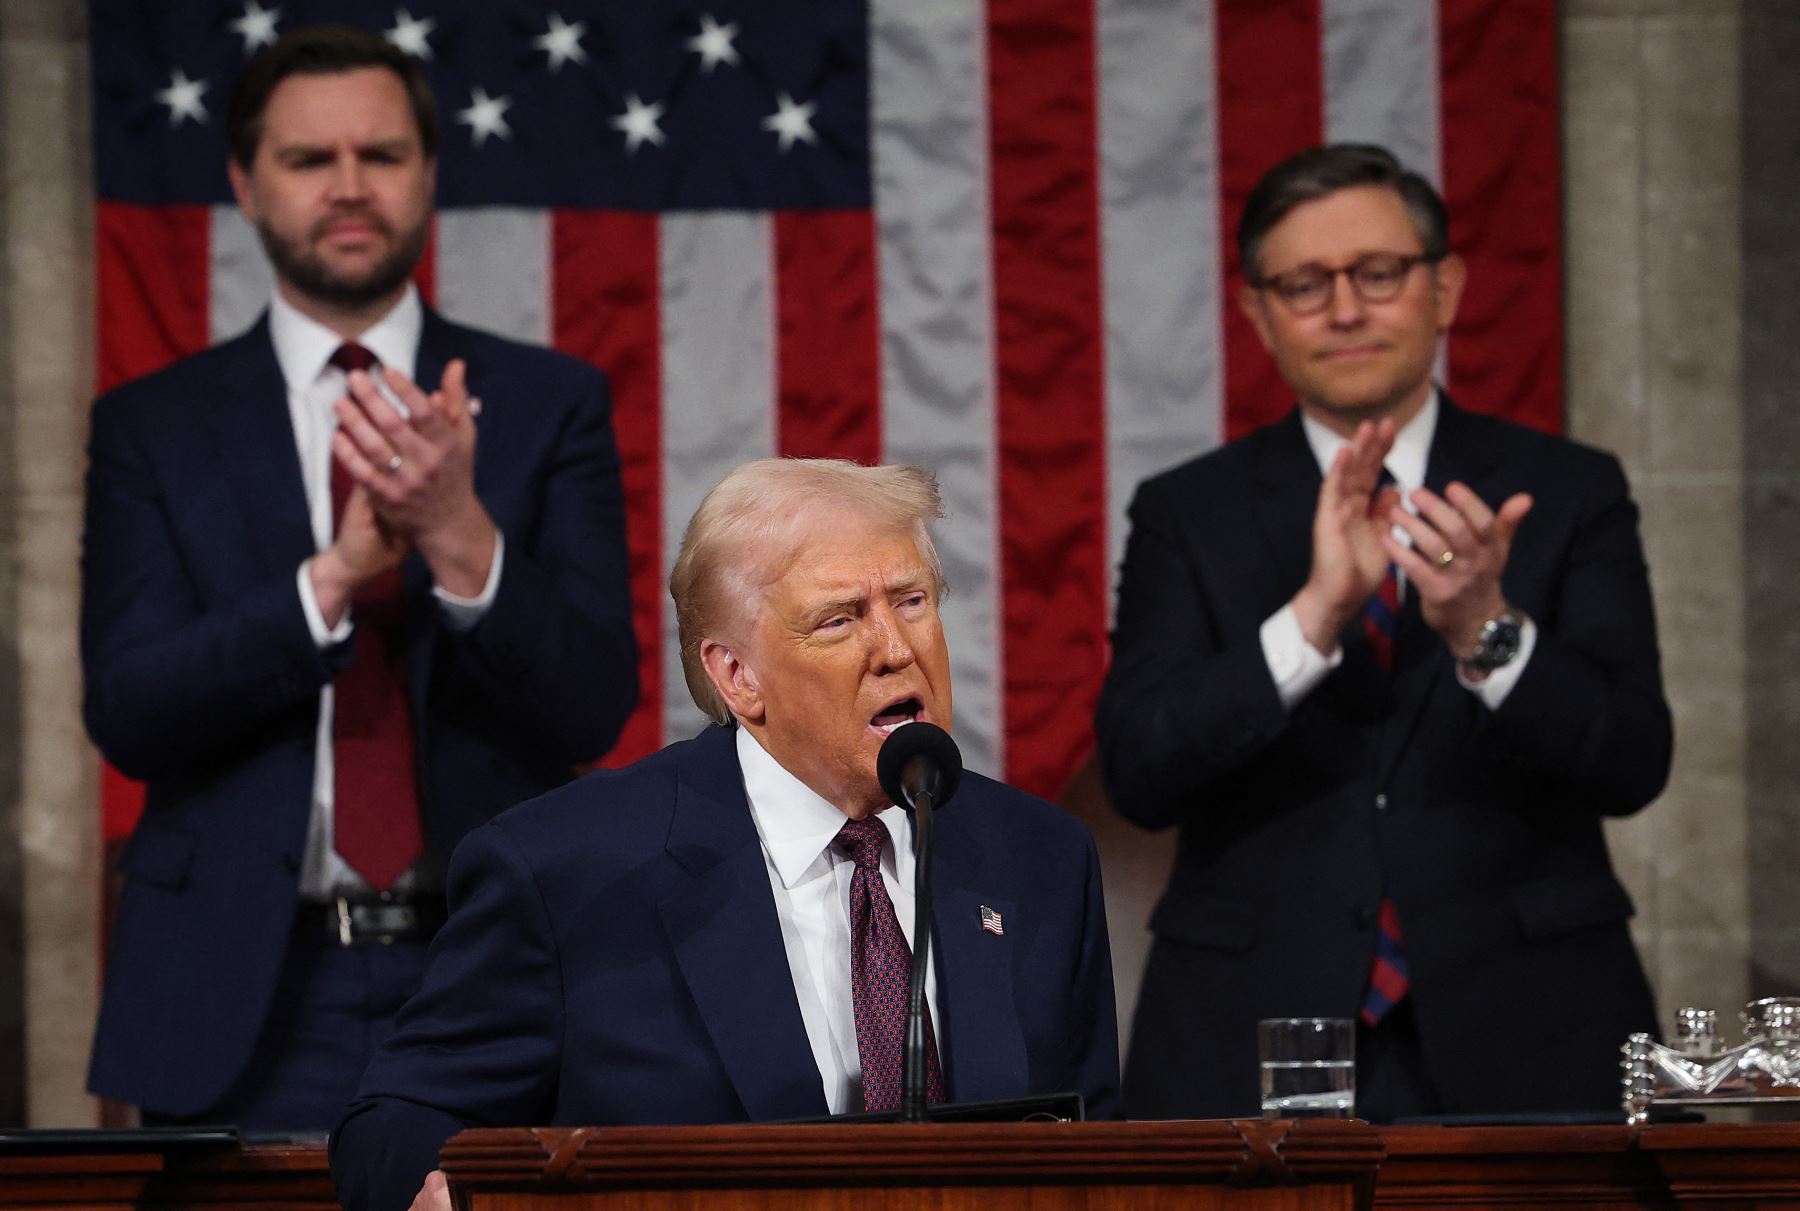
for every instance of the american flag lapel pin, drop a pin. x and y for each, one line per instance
(990, 921)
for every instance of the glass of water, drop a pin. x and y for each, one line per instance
(1308, 1067)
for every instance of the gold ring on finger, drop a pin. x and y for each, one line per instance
(396, 462)
(1447, 558)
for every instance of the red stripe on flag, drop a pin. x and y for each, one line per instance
(152, 293)
(1498, 90)
(153, 265)
(604, 291)
(1261, 122)
(827, 331)
(425, 273)
(1050, 384)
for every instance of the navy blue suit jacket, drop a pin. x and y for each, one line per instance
(614, 957)
(202, 678)
(1483, 826)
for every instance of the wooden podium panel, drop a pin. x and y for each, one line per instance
(1316, 1165)
(1713, 1165)
(290, 1177)
(1728, 1164)
(1044, 1167)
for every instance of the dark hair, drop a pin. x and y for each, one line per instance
(322, 50)
(1319, 171)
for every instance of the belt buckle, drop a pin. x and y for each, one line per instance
(345, 934)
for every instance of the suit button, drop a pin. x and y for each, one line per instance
(1365, 917)
(1381, 802)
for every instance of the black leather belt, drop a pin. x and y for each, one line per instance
(378, 921)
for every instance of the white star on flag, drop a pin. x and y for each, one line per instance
(562, 42)
(183, 98)
(639, 122)
(485, 116)
(257, 26)
(713, 43)
(409, 33)
(792, 121)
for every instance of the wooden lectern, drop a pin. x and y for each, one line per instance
(1313, 1165)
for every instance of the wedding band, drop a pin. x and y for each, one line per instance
(396, 462)
(1447, 558)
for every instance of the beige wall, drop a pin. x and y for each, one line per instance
(1678, 360)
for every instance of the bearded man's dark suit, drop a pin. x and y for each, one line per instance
(1484, 827)
(203, 679)
(614, 956)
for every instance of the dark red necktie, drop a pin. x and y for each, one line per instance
(375, 808)
(880, 973)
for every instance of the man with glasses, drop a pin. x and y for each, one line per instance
(1388, 664)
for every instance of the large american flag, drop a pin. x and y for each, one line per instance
(991, 238)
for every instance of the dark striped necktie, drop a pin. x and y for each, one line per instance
(880, 974)
(1388, 980)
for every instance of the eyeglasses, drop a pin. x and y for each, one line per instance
(1377, 277)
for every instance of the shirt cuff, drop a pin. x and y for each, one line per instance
(1296, 665)
(1493, 689)
(462, 613)
(323, 636)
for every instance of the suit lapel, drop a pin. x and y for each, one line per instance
(727, 939)
(247, 414)
(1423, 666)
(1286, 495)
(983, 1042)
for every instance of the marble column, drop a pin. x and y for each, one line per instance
(49, 819)
(1770, 91)
(1654, 195)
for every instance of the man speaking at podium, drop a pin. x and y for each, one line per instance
(713, 934)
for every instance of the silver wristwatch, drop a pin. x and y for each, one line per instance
(1498, 644)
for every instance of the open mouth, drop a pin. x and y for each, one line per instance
(891, 716)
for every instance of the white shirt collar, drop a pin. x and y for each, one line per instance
(303, 346)
(797, 826)
(1405, 462)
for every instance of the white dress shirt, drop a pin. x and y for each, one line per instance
(811, 882)
(303, 349)
(1296, 666)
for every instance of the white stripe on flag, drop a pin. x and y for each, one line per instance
(718, 385)
(1160, 231)
(928, 68)
(1381, 77)
(242, 280)
(493, 270)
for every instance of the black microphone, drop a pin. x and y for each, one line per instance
(919, 766)
(919, 758)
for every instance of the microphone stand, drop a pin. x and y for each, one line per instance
(912, 1086)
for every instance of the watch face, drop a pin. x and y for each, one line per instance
(1498, 644)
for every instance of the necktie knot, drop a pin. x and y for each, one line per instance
(861, 842)
(352, 356)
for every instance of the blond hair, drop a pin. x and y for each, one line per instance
(748, 530)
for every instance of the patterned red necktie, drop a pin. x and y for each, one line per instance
(375, 808)
(880, 971)
(1388, 980)
(1381, 612)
